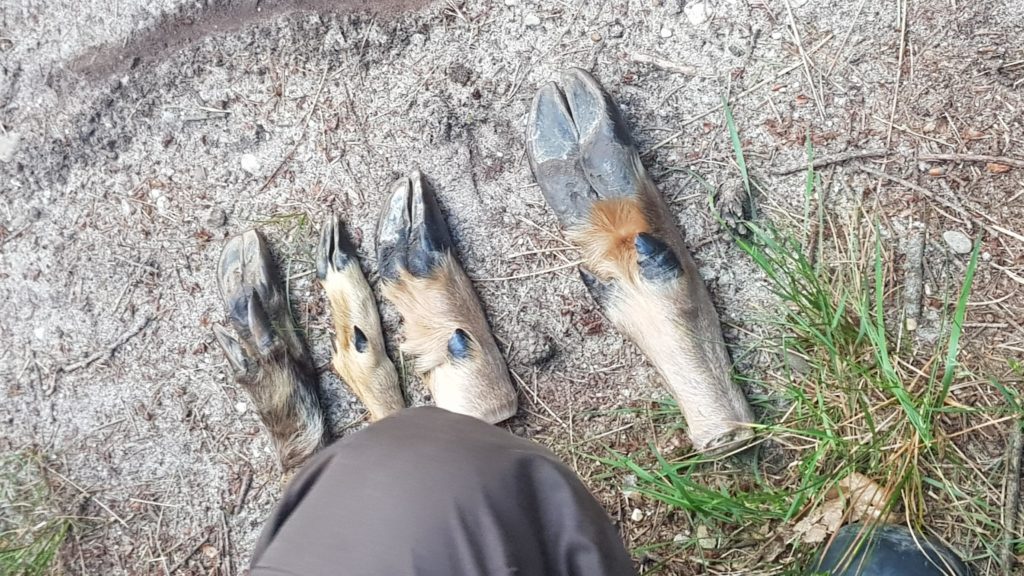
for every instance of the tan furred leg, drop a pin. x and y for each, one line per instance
(433, 309)
(445, 328)
(359, 356)
(669, 317)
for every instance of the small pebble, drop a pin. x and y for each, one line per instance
(957, 241)
(537, 349)
(986, 256)
(666, 32)
(216, 217)
(637, 515)
(250, 164)
(531, 20)
(8, 146)
(705, 539)
(797, 363)
(241, 407)
(595, 36)
(697, 13)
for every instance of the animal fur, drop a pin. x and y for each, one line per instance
(673, 321)
(432, 309)
(283, 389)
(369, 373)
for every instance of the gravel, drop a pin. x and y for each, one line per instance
(958, 241)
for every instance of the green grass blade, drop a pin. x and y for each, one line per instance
(956, 330)
(737, 146)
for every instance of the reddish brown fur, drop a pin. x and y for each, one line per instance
(607, 242)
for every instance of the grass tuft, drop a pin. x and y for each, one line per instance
(31, 529)
(846, 395)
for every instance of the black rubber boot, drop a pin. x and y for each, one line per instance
(888, 550)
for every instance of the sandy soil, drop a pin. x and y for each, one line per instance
(136, 137)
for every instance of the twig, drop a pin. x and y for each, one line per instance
(1016, 162)
(991, 229)
(302, 138)
(913, 278)
(902, 6)
(529, 274)
(746, 92)
(806, 61)
(190, 554)
(90, 496)
(666, 65)
(837, 159)
(846, 38)
(108, 352)
(1012, 499)
(225, 541)
(914, 187)
(14, 234)
(1016, 278)
(243, 491)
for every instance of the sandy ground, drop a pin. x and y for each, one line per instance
(135, 137)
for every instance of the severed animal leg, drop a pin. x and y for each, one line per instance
(359, 355)
(636, 264)
(445, 327)
(266, 353)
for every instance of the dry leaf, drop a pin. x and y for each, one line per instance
(973, 134)
(210, 551)
(997, 168)
(815, 534)
(867, 499)
(820, 522)
(855, 498)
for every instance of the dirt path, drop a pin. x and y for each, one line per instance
(133, 144)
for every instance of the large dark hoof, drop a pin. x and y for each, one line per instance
(412, 234)
(887, 550)
(444, 324)
(579, 147)
(359, 356)
(265, 351)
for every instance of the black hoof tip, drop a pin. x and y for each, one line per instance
(600, 290)
(335, 251)
(412, 233)
(359, 339)
(655, 258)
(458, 345)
